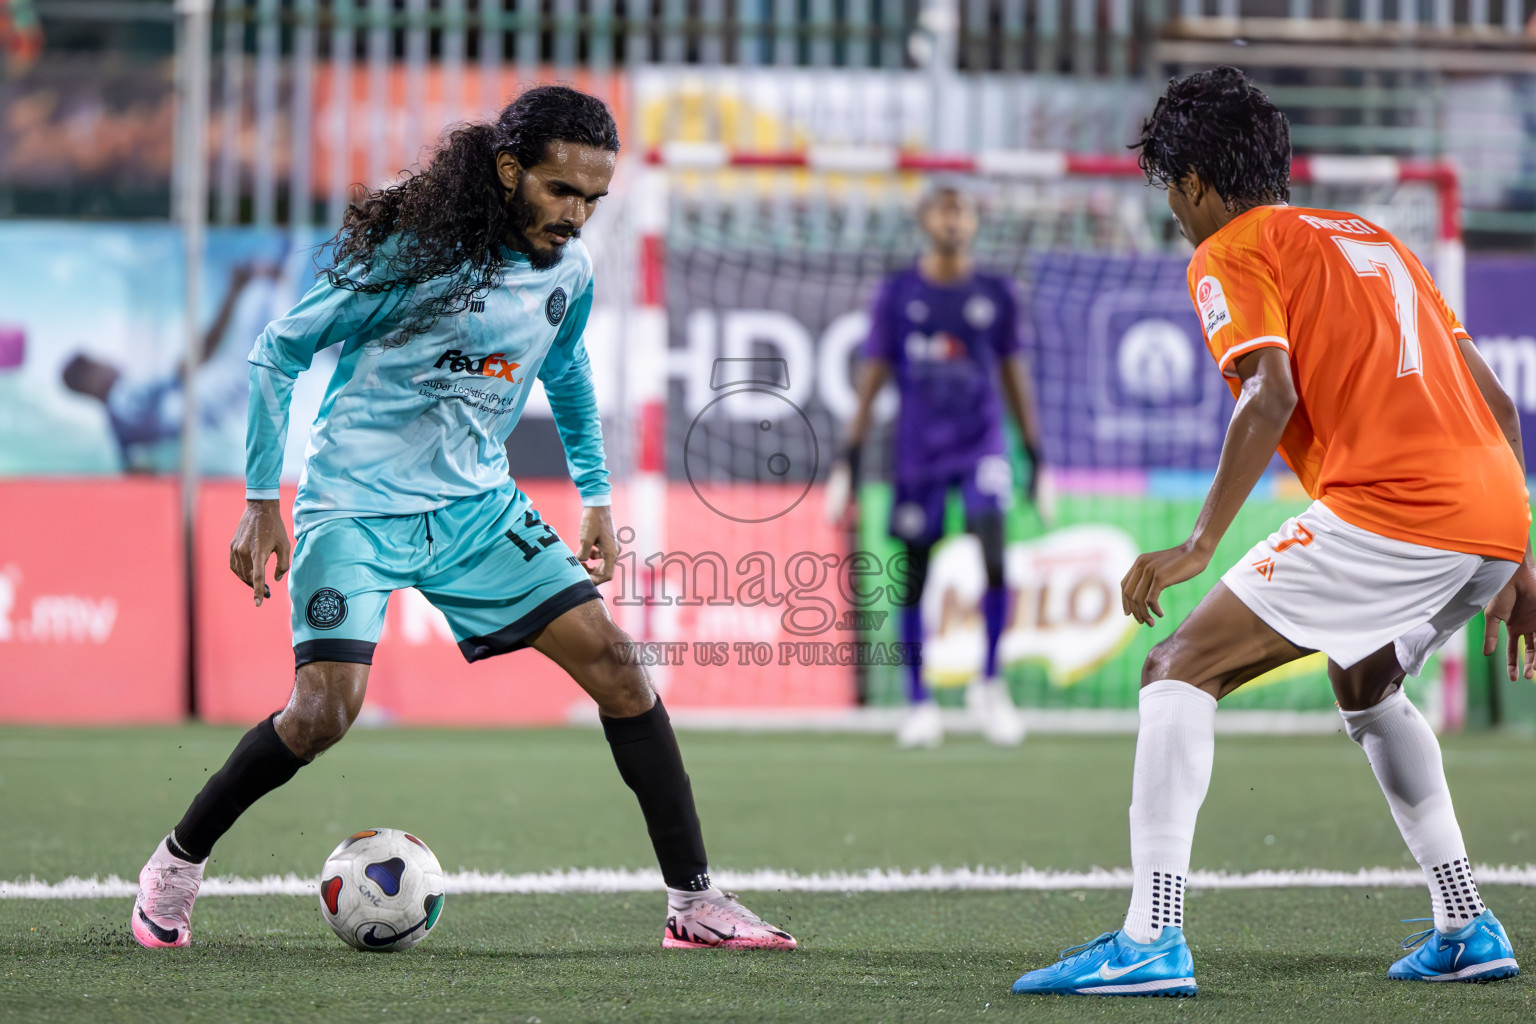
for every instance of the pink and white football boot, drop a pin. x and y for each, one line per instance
(162, 912)
(716, 920)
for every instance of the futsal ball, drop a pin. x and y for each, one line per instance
(381, 890)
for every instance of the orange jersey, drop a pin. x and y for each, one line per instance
(1390, 430)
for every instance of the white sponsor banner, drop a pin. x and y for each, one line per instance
(1064, 604)
(52, 618)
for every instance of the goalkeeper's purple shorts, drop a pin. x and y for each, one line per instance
(917, 513)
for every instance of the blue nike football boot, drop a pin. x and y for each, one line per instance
(1478, 952)
(1113, 965)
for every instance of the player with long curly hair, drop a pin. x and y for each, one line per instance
(449, 294)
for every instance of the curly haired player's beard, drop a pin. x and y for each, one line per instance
(523, 218)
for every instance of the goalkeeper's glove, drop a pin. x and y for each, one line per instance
(843, 484)
(1039, 490)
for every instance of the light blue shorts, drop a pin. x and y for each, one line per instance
(489, 563)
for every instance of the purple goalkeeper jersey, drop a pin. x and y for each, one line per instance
(946, 345)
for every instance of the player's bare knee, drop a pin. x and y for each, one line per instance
(309, 731)
(1162, 661)
(325, 702)
(617, 679)
(1175, 658)
(621, 687)
(1368, 681)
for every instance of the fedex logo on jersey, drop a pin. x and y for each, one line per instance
(1212, 303)
(494, 365)
(939, 347)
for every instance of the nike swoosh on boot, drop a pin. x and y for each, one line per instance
(1109, 973)
(163, 934)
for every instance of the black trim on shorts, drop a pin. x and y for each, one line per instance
(513, 637)
(359, 652)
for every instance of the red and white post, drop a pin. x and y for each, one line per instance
(646, 373)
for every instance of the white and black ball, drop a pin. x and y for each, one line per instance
(382, 890)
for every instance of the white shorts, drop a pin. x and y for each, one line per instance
(1328, 586)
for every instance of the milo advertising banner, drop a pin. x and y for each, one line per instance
(1066, 643)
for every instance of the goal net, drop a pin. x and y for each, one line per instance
(753, 275)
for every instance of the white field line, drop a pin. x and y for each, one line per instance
(885, 721)
(932, 880)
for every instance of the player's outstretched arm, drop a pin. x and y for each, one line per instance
(1021, 400)
(843, 482)
(239, 279)
(1264, 409)
(1515, 605)
(873, 373)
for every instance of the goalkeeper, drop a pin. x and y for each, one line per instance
(949, 334)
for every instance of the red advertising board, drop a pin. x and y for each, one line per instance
(245, 661)
(245, 654)
(770, 634)
(92, 603)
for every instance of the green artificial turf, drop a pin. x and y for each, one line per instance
(93, 803)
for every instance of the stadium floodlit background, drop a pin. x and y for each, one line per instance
(166, 173)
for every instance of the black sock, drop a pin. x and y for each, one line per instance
(260, 763)
(645, 750)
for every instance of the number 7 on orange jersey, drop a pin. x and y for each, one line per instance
(1380, 259)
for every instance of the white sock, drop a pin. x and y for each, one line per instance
(1405, 756)
(986, 693)
(682, 900)
(1175, 745)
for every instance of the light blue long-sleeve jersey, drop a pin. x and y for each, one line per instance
(411, 426)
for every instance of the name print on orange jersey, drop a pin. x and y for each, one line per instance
(1352, 226)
